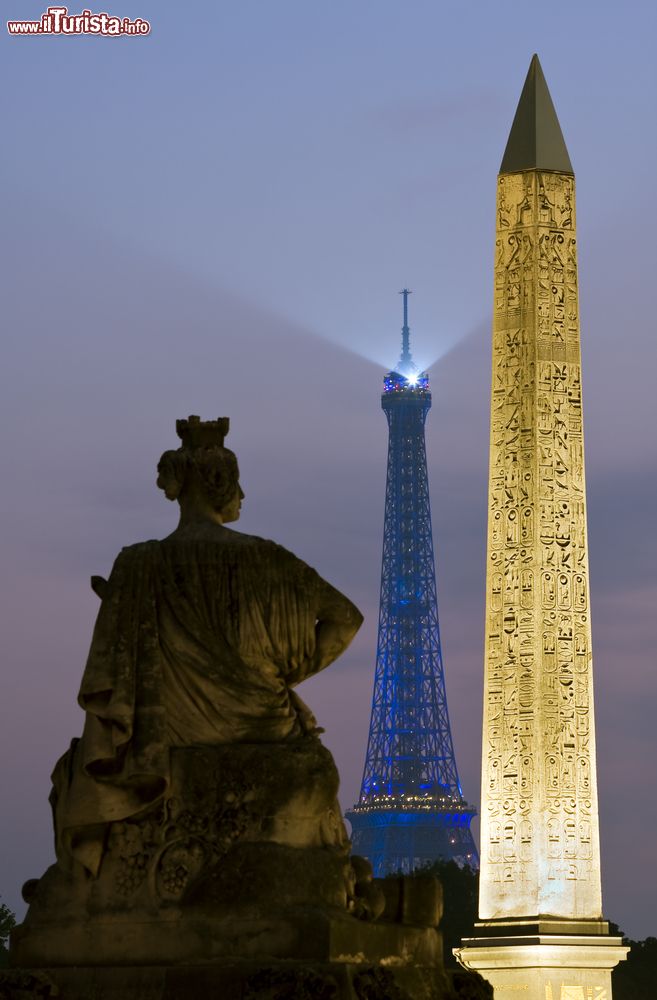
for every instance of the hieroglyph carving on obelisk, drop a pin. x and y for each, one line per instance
(540, 929)
(539, 835)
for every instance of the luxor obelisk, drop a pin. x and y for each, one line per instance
(540, 933)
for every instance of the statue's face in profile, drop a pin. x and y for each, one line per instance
(231, 510)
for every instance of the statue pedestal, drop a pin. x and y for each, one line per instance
(237, 885)
(307, 934)
(548, 959)
(304, 953)
(238, 979)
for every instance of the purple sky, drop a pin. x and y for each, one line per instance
(216, 219)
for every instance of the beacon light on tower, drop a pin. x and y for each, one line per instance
(395, 381)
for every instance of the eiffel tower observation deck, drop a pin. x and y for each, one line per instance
(411, 809)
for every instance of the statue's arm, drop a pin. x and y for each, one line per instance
(337, 621)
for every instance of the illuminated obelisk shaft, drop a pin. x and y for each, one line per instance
(540, 854)
(539, 833)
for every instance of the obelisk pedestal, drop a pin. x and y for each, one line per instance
(546, 960)
(541, 935)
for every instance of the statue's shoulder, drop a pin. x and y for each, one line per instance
(264, 545)
(138, 553)
(138, 548)
(269, 555)
(255, 551)
(224, 548)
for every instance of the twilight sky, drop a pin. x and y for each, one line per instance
(216, 219)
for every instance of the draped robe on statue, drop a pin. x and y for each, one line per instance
(197, 642)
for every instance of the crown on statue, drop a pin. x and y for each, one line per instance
(196, 433)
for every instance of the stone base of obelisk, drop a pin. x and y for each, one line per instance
(544, 959)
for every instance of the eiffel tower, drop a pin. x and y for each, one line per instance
(411, 809)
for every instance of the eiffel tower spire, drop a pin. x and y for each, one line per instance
(406, 364)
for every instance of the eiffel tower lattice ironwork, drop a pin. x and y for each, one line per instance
(411, 809)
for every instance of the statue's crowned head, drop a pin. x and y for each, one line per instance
(201, 465)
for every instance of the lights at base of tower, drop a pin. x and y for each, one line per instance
(401, 838)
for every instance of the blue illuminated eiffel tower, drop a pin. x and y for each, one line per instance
(411, 809)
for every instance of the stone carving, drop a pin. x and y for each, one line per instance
(540, 931)
(200, 640)
(378, 984)
(19, 984)
(575, 992)
(197, 825)
(281, 984)
(196, 745)
(538, 666)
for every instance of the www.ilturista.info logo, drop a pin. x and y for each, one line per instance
(58, 21)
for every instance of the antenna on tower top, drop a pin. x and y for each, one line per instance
(405, 359)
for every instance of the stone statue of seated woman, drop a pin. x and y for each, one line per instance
(199, 782)
(200, 846)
